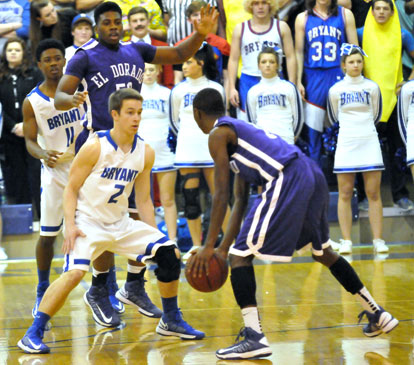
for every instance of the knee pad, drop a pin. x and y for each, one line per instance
(192, 207)
(168, 265)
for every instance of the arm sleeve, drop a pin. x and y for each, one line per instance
(297, 110)
(251, 105)
(174, 108)
(402, 107)
(332, 106)
(377, 104)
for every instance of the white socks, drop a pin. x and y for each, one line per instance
(251, 318)
(367, 301)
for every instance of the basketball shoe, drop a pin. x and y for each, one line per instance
(173, 324)
(117, 305)
(32, 342)
(97, 299)
(380, 246)
(134, 293)
(254, 345)
(379, 322)
(346, 246)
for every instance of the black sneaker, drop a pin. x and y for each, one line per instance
(254, 345)
(134, 293)
(379, 322)
(103, 313)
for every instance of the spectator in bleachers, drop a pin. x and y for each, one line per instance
(220, 46)
(11, 19)
(17, 78)
(175, 17)
(384, 41)
(139, 22)
(157, 28)
(82, 32)
(406, 14)
(319, 64)
(262, 30)
(47, 22)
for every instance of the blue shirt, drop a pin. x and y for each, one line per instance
(323, 39)
(259, 155)
(103, 71)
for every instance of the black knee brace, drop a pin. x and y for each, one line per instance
(346, 275)
(192, 207)
(244, 286)
(168, 265)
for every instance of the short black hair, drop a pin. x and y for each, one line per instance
(104, 7)
(117, 97)
(209, 101)
(48, 44)
(389, 2)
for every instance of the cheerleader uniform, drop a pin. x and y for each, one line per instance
(276, 106)
(406, 119)
(356, 103)
(192, 144)
(154, 125)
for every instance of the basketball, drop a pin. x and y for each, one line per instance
(217, 275)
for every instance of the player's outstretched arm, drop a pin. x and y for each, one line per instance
(186, 49)
(30, 131)
(80, 169)
(143, 190)
(66, 96)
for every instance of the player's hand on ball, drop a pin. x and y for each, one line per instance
(71, 233)
(79, 98)
(199, 262)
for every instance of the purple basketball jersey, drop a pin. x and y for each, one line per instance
(104, 71)
(259, 155)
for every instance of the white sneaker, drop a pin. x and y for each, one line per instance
(346, 246)
(380, 246)
(335, 245)
(188, 254)
(3, 255)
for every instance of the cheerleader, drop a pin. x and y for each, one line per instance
(355, 102)
(406, 120)
(153, 129)
(192, 155)
(275, 104)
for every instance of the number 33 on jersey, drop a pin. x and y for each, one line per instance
(324, 36)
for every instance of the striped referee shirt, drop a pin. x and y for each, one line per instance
(178, 26)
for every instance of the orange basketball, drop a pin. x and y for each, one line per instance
(217, 275)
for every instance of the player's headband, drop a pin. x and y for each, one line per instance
(347, 48)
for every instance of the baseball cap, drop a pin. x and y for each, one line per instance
(81, 18)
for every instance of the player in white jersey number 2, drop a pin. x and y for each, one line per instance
(101, 178)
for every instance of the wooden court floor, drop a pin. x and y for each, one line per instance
(307, 317)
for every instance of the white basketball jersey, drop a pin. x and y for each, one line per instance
(251, 44)
(155, 118)
(104, 194)
(356, 103)
(57, 129)
(276, 106)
